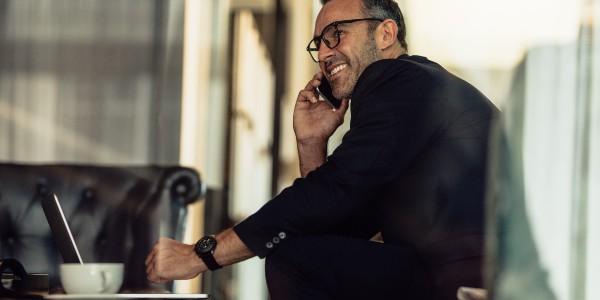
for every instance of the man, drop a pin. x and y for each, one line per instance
(411, 167)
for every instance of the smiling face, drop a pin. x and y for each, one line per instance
(356, 50)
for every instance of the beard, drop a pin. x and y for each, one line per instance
(343, 88)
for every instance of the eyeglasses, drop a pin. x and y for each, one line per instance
(330, 36)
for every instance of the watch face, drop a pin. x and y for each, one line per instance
(206, 244)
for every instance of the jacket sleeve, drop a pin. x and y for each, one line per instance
(390, 124)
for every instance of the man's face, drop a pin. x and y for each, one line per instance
(343, 64)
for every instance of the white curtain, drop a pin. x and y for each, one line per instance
(544, 209)
(90, 81)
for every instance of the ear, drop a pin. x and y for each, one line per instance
(386, 34)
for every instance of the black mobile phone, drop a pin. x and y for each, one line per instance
(324, 91)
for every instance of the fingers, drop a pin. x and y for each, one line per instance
(150, 272)
(310, 96)
(155, 249)
(309, 91)
(318, 75)
(154, 278)
(150, 264)
(341, 110)
(150, 256)
(153, 271)
(315, 81)
(152, 260)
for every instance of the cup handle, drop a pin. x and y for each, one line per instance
(106, 279)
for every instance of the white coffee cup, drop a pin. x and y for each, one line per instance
(93, 278)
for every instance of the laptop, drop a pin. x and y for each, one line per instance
(61, 232)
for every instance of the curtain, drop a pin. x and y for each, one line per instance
(90, 81)
(544, 207)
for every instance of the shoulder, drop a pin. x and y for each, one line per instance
(416, 85)
(403, 74)
(414, 78)
(405, 79)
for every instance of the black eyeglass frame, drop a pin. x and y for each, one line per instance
(317, 39)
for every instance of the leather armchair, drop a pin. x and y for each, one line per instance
(115, 213)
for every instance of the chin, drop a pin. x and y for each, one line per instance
(337, 94)
(341, 93)
(342, 87)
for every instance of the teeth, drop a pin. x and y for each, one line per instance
(337, 69)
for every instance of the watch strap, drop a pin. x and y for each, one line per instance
(210, 262)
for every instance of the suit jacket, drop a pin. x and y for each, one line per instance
(412, 166)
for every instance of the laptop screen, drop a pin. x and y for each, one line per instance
(60, 229)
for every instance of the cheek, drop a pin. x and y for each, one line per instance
(324, 71)
(322, 67)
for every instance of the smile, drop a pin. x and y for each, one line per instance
(338, 69)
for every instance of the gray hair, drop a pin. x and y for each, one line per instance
(384, 9)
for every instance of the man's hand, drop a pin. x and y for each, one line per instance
(171, 260)
(316, 120)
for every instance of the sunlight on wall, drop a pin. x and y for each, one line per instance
(196, 58)
(48, 132)
(493, 34)
(253, 96)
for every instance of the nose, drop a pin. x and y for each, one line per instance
(325, 53)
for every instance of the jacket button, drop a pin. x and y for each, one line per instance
(269, 245)
(276, 240)
(282, 235)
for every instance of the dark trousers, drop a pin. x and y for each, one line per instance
(332, 267)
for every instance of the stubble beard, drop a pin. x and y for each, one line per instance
(367, 55)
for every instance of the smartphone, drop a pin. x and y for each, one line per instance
(324, 91)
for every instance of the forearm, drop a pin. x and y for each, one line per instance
(230, 248)
(171, 259)
(311, 154)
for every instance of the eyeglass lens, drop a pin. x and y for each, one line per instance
(330, 37)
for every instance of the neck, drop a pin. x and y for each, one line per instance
(393, 52)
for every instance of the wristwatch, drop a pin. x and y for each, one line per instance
(205, 248)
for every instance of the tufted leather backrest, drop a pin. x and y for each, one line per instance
(115, 213)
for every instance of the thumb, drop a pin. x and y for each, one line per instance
(343, 107)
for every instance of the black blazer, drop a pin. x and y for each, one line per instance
(412, 165)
